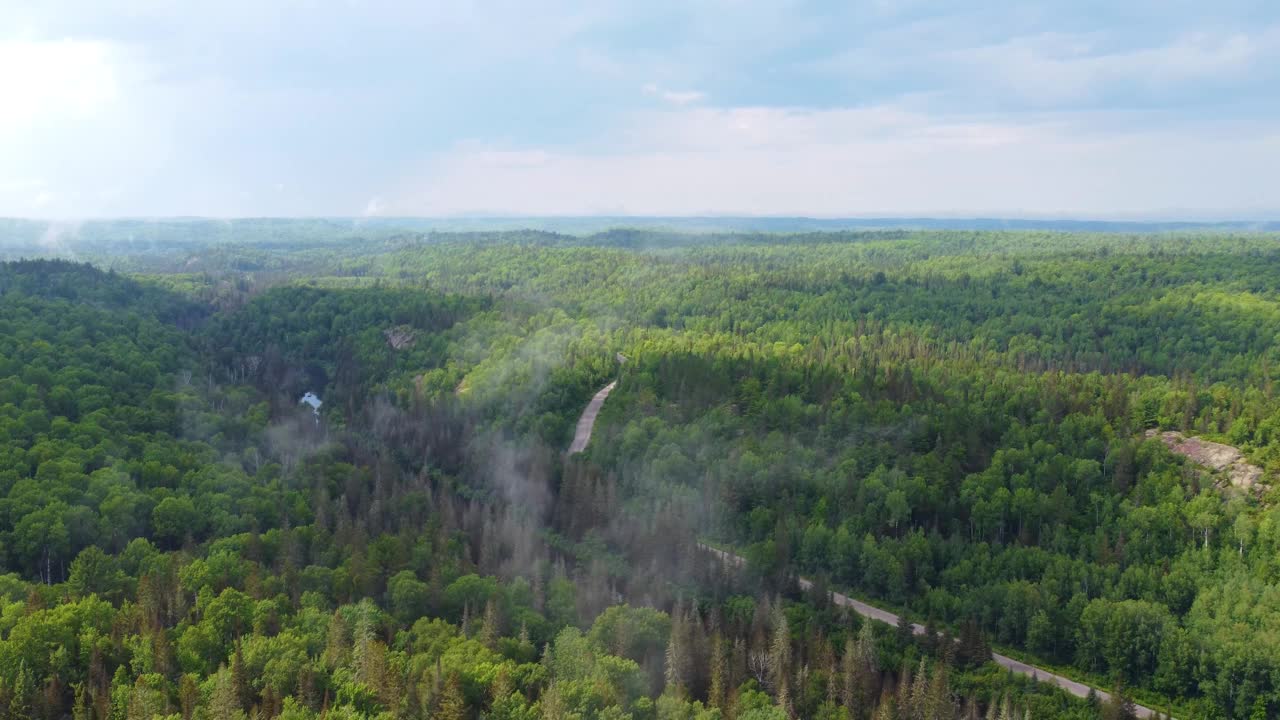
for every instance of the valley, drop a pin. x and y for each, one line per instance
(975, 429)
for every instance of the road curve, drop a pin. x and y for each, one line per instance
(587, 423)
(870, 611)
(582, 436)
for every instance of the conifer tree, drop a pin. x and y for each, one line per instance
(452, 705)
(849, 690)
(677, 655)
(906, 680)
(780, 662)
(905, 631)
(239, 682)
(920, 693)
(502, 685)
(121, 688)
(224, 703)
(82, 709)
(336, 648)
(719, 671)
(490, 629)
(21, 694)
(886, 710)
(938, 704)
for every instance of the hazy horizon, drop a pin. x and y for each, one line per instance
(1137, 218)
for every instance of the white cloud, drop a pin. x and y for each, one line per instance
(674, 97)
(871, 161)
(43, 79)
(1072, 68)
(891, 106)
(682, 97)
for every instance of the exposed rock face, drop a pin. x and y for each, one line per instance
(399, 338)
(1219, 458)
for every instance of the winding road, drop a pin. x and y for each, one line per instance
(582, 436)
(1080, 690)
(587, 423)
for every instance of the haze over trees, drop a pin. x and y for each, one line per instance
(952, 424)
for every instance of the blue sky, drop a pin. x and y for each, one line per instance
(892, 107)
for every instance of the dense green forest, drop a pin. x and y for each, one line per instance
(953, 424)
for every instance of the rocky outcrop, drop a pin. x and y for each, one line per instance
(1225, 460)
(399, 337)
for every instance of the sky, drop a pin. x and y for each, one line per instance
(1090, 109)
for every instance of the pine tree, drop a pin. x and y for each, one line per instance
(336, 647)
(527, 650)
(886, 711)
(677, 656)
(947, 647)
(929, 641)
(780, 661)
(239, 682)
(306, 692)
(938, 705)
(849, 690)
(162, 652)
(491, 628)
(23, 688)
(906, 633)
(697, 653)
(224, 703)
(719, 670)
(905, 681)
(146, 702)
(830, 671)
(413, 706)
(121, 688)
(452, 705)
(862, 672)
(1120, 706)
(502, 685)
(271, 703)
(920, 693)
(973, 649)
(82, 709)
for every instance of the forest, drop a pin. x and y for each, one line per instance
(959, 426)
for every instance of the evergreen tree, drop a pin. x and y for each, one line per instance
(224, 703)
(906, 681)
(121, 689)
(938, 704)
(239, 682)
(780, 661)
(491, 628)
(677, 655)
(716, 693)
(22, 693)
(905, 631)
(452, 705)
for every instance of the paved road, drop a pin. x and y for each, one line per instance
(870, 611)
(587, 423)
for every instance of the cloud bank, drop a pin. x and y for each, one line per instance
(1070, 108)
